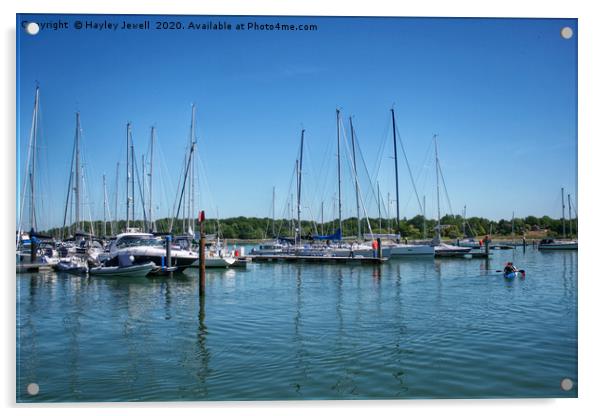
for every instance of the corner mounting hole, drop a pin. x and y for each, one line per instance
(33, 389)
(566, 384)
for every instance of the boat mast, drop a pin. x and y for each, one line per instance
(274, 211)
(116, 196)
(104, 206)
(32, 174)
(563, 224)
(570, 217)
(379, 214)
(357, 196)
(299, 173)
(142, 191)
(464, 221)
(127, 179)
(191, 223)
(438, 233)
(67, 204)
(339, 169)
(298, 226)
(191, 187)
(28, 171)
(132, 167)
(322, 222)
(150, 180)
(389, 212)
(77, 174)
(424, 217)
(396, 173)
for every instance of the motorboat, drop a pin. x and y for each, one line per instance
(145, 247)
(125, 267)
(551, 244)
(71, 265)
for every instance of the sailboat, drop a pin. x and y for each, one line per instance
(442, 249)
(143, 247)
(32, 246)
(551, 244)
(398, 249)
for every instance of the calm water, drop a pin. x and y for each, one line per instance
(409, 329)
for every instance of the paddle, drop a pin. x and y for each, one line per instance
(520, 271)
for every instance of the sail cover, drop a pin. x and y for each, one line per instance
(338, 235)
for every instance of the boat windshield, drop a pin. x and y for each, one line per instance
(138, 240)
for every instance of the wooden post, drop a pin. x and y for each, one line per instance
(168, 250)
(33, 246)
(202, 254)
(487, 246)
(379, 248)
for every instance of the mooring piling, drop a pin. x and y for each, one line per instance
(168, 250)
(202, 254)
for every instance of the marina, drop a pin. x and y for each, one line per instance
(320, 212)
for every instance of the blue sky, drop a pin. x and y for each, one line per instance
(500, 93)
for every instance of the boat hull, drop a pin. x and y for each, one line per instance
(179, 258)
(139, 270)
(558, 246)
(216, 262)
(447, 250)
(71, 267)
(411, 250)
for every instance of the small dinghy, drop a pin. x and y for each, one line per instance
(71, 266)
(125, 268)
(137, 270)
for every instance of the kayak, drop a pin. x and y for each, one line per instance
(512, 275)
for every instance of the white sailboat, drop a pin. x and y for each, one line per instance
(397, 249)
(442, 249)
(550, 244)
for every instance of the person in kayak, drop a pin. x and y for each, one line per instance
(509, 268)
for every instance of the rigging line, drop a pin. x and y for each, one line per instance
(308, 166)
(47, 198)
(327, 155)
(313, 220)
(381, 150)
(183, 186)
(28, 163)
(182, 175)
(405, 156)
(426, 168)
(165, 179)
(346, 142)
(445, 189)
(205, 181)
(371, 188)
(68, 189)
(108, 207)
(86, 195)
(140, 192)
(574, 205)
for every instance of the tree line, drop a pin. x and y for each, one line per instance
(247, 228)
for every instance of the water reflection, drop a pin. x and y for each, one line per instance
(203, 355)
(283, 331)
(298, 339)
